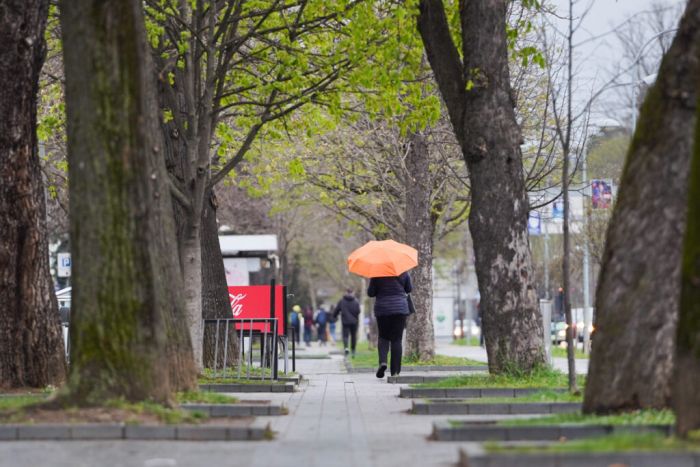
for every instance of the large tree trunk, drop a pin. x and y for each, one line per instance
(126, 278)
(478, 98)
(686, 377)
(31, 342)
(419, 229)
(215, 298)
(638, 292)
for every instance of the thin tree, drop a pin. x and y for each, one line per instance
(31, 343)
(475, 86)
(638, 292)
(127, 307)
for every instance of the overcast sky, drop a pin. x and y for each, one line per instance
(599, 55)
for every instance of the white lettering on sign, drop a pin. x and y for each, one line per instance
(236, 305)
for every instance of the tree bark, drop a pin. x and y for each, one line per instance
(478, 97)
(419, 229)
(215, 298)
(31, 339)
(686, 377)
(638, 292)
(126, 278)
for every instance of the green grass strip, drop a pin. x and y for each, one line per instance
(200, 397)
(639, 417)
(620, 442)
(541, 378)
(366, 358)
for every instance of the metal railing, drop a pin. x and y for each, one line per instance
(263, 328)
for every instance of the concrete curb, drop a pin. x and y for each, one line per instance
(237, 387)
(419, 379)
(235, 410)
(468, 408)
(258, 430)
(626, 459)
(451, 393)
(407, 369)
(283, 379)
(450, 431)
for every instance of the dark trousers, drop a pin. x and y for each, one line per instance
(296, 333)
(390, 335)
(307, 335)
(350, 331)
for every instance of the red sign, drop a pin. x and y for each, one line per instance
(253, 302)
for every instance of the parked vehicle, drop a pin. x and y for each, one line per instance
(469, 328)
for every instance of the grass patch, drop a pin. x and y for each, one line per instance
(646, 442)
(366, 358)
(19, 402)
(541, 378)
(233, 380)
(166, 415)
(204, 398)
(558, 352)
(639, 417)
(471, 342)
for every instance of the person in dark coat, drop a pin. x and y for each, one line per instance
(391, 311)
(349, 310)
(308, 324)
(321, 323)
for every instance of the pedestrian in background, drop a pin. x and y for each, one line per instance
(332, 322)
(321, 323)
(391, 310)
(294, 322)
(308, 324)
(349, 310)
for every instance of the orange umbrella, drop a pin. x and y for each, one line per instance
(382, 259)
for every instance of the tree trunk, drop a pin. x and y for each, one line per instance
(126, 280)
(191, 260)
(419, 229)
(215, 298)
(686, 377)
(638, 292)
(475, 92)
(31, 339)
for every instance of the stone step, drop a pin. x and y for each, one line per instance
(476, 408)
(258, 430)
(592, 459)
(441, 393)
(419, 379)
(236, 410)
(253, 387)
(467, 431)
(409, 369)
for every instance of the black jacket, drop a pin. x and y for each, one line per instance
(349, 309)
(391, 294)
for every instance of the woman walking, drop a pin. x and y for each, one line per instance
(391, 311)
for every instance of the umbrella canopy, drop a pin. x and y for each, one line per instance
(382, 259)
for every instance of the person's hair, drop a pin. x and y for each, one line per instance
(349, 291)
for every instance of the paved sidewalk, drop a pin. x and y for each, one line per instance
(338, 420)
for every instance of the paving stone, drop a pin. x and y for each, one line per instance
(231, 410)
(463, 392)
(8, 432)
(530, 408)
(44, 432)
(497, 392)
(95, 431)
(149, 432)
(532, 433)
(202, 433)
(260, 410)
(485, 433)
(586, 431)
(482, 409)
(565, 407)
(448, 409)
(663, 459)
